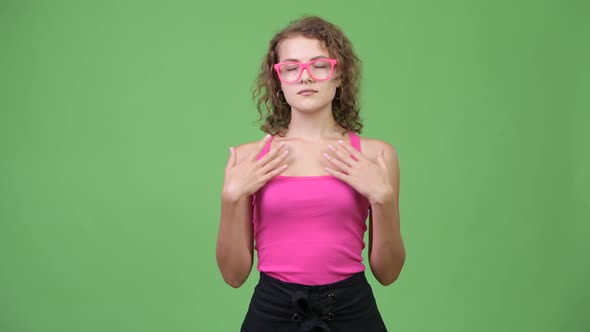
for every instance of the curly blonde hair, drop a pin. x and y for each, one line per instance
(275, 113)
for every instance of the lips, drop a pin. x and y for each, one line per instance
(306, 91)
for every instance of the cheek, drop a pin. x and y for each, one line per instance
(291, 93)
(289, 90)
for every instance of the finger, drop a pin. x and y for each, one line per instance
(274, 173)
(342, 155)
(354, 152)
(261, 146)
(275, 162)
(381, 159)
(340, 165)
(272, 154)
(338, 175)
(231, 161)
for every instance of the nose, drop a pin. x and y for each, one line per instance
(305, 76)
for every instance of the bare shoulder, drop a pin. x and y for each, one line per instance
(371, 148)
(248, 149)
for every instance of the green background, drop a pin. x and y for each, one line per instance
(115, 123)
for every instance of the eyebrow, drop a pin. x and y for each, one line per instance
(314, 58)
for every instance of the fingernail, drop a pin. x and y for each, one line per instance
(341, 141)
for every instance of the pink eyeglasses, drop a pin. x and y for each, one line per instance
(319, 70)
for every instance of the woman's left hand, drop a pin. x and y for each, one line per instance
(371, 179)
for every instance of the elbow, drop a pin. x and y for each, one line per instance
(234, 272)
(235, 275)
(389, 275)
(235, 278)
(234, 282)
(388, 280)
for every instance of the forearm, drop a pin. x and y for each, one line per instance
(387, 254)
(234, 242)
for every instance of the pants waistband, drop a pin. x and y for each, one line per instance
(355, 278)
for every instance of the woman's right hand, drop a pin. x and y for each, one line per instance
(246, 177)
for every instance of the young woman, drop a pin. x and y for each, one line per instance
(301, 196)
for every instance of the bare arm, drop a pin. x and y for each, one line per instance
(244, 175)
(387, 253)
(235, 239)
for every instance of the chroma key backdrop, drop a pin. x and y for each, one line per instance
(116, 119)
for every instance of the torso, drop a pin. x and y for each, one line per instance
(308, 225)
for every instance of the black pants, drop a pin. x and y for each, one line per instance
(344, 306)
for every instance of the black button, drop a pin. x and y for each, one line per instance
(332, 296)
(295, 317)
(330, 315)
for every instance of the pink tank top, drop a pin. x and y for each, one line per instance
(309, 229)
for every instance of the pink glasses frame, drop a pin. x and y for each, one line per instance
(305, 65)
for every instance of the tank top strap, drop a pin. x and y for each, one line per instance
(355, 140)
(265, 149)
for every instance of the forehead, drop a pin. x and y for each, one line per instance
(301, 48)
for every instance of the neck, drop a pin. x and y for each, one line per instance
(313, 125)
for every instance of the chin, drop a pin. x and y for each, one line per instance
(306, 110)
(308, 107)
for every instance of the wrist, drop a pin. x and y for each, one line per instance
(382, 198)
(231, 196)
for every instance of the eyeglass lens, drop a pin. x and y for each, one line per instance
(319, 70)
